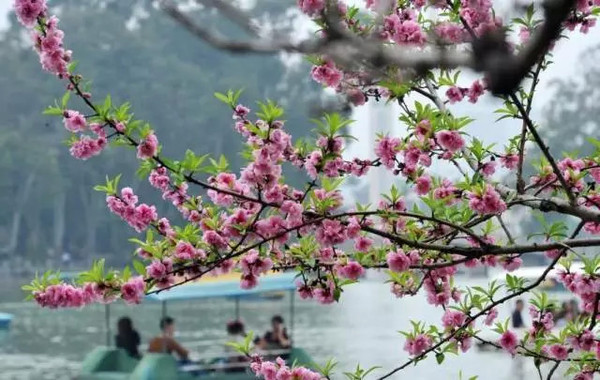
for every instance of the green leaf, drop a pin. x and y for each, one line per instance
(100, 188)
(145, 168)
(126, 273)
(71, 66)
(245, 349)
(269, 111)
(107, 103)
(231, 98)
(217, 166)
(327, 369)
(397, 89)
(191, 162)
(236, 96)
(139, 267)
(65, 99)
(111, 186)
(439, 357)
(222, 97)
(53, 111)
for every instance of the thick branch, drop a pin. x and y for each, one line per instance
(490, 55)
(505, 70)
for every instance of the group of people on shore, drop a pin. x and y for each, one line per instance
(128, 339)
(568, 311)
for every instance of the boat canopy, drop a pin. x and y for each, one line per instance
(220, 286)
(225, 286)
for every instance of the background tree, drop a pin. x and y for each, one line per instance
(569, 123)
(137, 53)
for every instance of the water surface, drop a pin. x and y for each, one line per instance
(362, 328)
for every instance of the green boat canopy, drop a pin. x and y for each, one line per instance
(225, 287)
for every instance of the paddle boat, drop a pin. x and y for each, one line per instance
(110, 363)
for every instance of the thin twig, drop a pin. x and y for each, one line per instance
(552, 370)
(523, 140)
(543, 147)
(506, 230)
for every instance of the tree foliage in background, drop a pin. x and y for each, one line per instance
(137, 53)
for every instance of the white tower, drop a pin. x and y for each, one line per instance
(380, 121)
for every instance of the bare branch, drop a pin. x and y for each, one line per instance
(215, 39)
(490, 53)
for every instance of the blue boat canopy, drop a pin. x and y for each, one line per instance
(226, 288)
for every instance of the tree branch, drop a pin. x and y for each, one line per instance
(485, 310)
(523, 139)
(543, 147)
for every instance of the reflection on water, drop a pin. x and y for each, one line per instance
(42, 367)
(49, 344)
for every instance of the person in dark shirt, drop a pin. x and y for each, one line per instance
(277, 338)
(127, 338)
(517, 318)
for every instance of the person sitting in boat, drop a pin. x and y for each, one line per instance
(236, 334)
(517, 318)
(127, 338)
(277, 338)
(165, 343)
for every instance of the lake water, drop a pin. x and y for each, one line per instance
(362, 328)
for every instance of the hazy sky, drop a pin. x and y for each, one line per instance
(4, 6)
